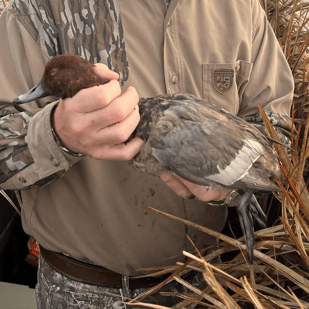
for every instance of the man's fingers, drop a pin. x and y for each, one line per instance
(178, 187)
(186, 188)
(94, 98)
(204, 194)
(217, 195)
(117, 110)
(119, 132)
(119, 152)
(103, 71)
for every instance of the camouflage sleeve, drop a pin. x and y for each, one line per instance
(21, 65)
(29, 154)
(14, 152)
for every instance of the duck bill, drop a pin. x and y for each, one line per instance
(37, 92)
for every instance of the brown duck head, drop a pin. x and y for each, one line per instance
(64, 76)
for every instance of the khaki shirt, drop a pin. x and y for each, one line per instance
(93, 209)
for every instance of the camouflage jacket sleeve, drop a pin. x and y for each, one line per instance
(29, 156)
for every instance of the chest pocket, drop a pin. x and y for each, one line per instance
(224, 83)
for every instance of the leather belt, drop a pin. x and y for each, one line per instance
(93, 274)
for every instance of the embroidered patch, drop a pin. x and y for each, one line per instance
(223, 80)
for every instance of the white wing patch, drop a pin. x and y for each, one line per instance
(239, 167)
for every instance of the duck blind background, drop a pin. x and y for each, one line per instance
(280, 276)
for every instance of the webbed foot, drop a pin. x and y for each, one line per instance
(247, 209)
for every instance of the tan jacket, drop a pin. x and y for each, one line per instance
(94, 209)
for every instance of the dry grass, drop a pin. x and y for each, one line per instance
(3, 4)
(289, 19)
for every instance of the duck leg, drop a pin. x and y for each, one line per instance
(247, 209)
(257, 212)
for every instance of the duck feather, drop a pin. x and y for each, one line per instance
(199, 142)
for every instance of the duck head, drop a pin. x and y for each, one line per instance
(64, 76)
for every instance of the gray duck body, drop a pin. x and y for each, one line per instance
(204, 144)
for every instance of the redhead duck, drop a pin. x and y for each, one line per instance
(64, 76)
(185, 135)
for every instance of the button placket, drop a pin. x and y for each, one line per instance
(175, 77)
(173, 64)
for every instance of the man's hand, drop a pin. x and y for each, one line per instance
(185, 188)
(98, 120)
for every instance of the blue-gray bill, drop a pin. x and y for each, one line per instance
(35, 93)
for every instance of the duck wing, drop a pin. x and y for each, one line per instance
(205, 145)
(206, 154)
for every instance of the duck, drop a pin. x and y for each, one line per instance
(64, 76)
(186, 136)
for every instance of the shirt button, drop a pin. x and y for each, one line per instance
(174, 79)
(22, 179)
(55, 163)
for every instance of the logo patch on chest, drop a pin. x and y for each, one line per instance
(223, 80)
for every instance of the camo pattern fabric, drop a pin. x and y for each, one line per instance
(89, 28)
(14, 152)
(56, 291)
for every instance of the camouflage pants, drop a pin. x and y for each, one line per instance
(54, 291)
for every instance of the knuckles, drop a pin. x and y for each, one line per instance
(102, 96)
(119, 112)
(133, 95)
(121, 136)
(78, 128)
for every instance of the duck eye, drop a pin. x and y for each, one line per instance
(53, 71)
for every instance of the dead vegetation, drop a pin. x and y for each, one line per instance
(289, 19)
